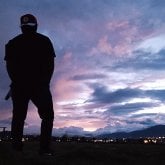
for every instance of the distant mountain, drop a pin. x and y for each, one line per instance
(155, 131)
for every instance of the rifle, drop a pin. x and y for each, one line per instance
(8, 95)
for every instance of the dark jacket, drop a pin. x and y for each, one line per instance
(30, 60)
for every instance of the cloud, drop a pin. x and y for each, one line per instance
(70, 131)
(32, 129)
(141, 61)
(148, 122)
(156, 94)
(152, 45)
(101, 94)
(118, 39)
(6, 122)
(128, 108)
(87, 77)
(123, 124)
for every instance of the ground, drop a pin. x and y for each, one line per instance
(72, 153)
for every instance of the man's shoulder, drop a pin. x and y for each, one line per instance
(42, 36)
(15, 39)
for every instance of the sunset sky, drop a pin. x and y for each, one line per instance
(110, 65)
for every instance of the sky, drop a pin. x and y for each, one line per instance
(110, 66)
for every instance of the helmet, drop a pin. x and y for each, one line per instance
(28, 19)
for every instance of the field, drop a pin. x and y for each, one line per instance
(85, 154)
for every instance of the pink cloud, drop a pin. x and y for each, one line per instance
(118, 40)
(64, 89)
(88, 125)
(6, 113)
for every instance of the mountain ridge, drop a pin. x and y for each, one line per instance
(154, 131)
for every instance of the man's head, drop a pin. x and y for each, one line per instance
(28, 23)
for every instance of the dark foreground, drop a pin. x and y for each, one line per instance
(85, 154)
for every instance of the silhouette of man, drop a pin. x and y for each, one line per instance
(30, 64)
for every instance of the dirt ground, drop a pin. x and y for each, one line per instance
(72, 153)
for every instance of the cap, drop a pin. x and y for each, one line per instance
(28, 19)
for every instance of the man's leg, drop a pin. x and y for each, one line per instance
(20, 105)
(43, 100)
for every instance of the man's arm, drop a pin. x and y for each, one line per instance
(48, 64)
(11, 64)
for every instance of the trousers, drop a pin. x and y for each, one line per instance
(42, 99)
